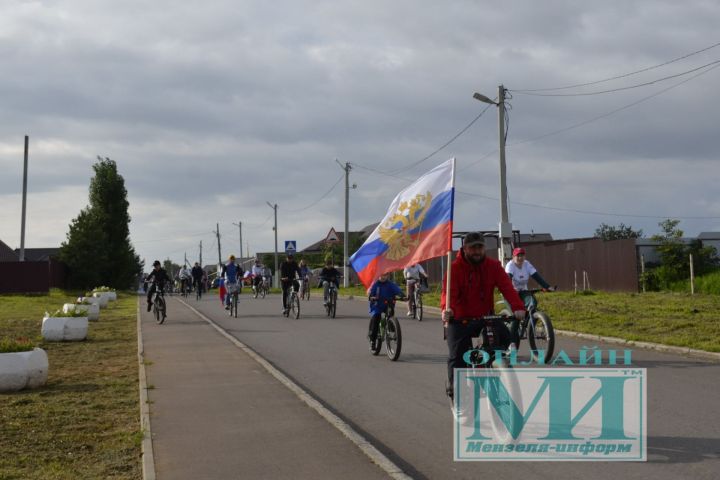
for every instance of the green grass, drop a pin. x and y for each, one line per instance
(669, 318)
(84, 423)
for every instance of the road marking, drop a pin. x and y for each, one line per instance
(361, 442)
(148, 457)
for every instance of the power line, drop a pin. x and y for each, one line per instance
(623, 75)
(171, 238)
(428, 157)
(619, 89)
(590, 212)
(318, 200)
(612, 112)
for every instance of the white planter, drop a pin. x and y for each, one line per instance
(112, 296)
(95, 300)
(23, 370)
(104, 299)
(58, 329)
(92, 311)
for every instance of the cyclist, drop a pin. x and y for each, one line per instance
(159, 277)
(474, 278)
(381, 295)
(413, 275)
(257, 274)
(184, 276)
(305, 274)
(520, 272)
(289, 272)
(328, 275)
(232, 273)
(197, 275)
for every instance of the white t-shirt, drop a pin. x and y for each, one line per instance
(414, 272)
(520, 275)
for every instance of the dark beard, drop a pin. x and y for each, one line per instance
(471, 261)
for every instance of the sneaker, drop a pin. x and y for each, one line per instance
(511, 348)
(149, 306)
(409, 314)
(227, 307)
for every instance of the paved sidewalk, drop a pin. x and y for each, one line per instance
(217, 414)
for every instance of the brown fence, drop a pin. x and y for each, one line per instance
(31, 277)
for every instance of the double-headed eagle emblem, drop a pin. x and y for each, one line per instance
(409, 217)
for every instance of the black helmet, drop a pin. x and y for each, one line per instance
(156, 263)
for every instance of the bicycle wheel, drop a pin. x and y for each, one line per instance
(161, 310)
(235, 303)
(504, 401)
(256, 291)
(393, 338)
(333, 304)
(419, 308)
(296, 306)
(541, 334)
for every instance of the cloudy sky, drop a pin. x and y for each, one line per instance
(211, 109)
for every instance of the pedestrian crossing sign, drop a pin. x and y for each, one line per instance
(290, 246)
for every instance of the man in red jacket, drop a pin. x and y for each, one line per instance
(473, 281)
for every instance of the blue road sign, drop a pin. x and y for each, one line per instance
(290, 246)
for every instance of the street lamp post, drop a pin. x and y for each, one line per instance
(275, 276)
(505, 227)
(239, 225)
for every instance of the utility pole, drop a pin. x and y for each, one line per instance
(217, 233)
(276, 273)
(239, 225)
(201, 264)
(505, 227)
(24, 203)
(346, 236)
(185, 264)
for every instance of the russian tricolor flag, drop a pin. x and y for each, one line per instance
(418, 226)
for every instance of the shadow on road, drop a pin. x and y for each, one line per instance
(423, 358)
(682, 450)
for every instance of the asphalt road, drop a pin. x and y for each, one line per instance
(401, 406)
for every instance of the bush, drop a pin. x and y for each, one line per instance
(8, 345)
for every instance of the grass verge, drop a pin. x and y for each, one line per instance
(84, 423)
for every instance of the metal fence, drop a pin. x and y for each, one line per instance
(31, 277)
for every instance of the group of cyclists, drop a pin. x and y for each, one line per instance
(474, 278)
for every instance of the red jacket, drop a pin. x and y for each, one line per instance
(472, 288)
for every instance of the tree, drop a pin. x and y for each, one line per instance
(610, 232)
(98, 249)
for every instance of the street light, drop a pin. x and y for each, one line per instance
(239, 225)
(505, 227)
(275, 276)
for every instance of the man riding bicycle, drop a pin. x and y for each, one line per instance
(157, 278)
(232, 273)
(197, 275)
(185, 278)
(413, 275)
(520, 272)
(474, 278)
(257, 274)
(329, 275)
(289, 272)
(381, 295)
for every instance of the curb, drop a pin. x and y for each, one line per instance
(148, 458)
(377, 457)
(658, 347)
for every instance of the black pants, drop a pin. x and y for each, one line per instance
(151, 292)
(375, 323)
(459, 340)
(286, 285)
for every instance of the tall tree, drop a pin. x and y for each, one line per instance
(98, 249)
(610, 232)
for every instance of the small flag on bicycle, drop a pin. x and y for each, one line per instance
(418, 226)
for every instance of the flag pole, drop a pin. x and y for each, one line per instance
(450, 237)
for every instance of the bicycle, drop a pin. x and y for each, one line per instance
(293, 302)
(489, 354)
(159, 307)
(416, 307)
(305, 292)
(536, 326)
(256, 288)
(331, 305)
(265, 287)
(198, 290)
(389, 332)
(234, 292)
(184, 287)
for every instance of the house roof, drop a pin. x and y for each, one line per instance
(38, 254)
(7, 254)
(318, 246)
(709, 236)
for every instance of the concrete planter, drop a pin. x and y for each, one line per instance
(92, 311)
(112, 296)
(59, 329)
(20, 370)
(89, 299)
(104, 298)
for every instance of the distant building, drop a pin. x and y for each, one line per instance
(711, 239)
(7, 254)
(39, 254)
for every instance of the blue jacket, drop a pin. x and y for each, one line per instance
(383, 291)
(231, 272)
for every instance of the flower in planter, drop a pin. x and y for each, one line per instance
(22, 344)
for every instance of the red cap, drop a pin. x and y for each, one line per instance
(518, 251)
